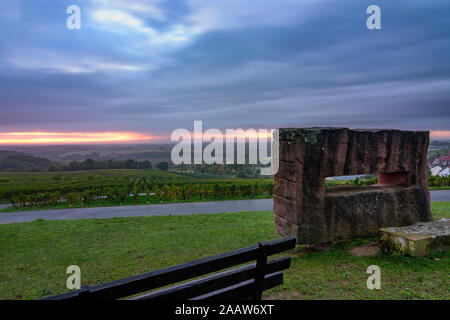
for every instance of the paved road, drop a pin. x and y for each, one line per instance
(139, 211)
(158, 209)
(440, 195)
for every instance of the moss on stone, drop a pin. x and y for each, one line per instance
(310, 135)
(420, 239)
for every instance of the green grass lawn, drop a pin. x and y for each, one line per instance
(34, 256)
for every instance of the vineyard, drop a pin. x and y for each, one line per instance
(136, 186)
(115, 187)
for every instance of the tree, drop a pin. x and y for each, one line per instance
(135, 192)
(88, 197)
(110, 194)
(241, 174)
(21, 198)
(40, 198)
(13, 200)
(73, 198)
(148, 194)
(130, 164)
(164, 166)
(159, 194)
(123, 195)
(54, 197)
(145, 164)
(88, 164)
(29, 199)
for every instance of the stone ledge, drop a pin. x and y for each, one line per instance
(419, 239)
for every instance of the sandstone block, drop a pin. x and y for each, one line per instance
(419, 239)
(319, 214)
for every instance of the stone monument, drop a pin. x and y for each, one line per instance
(304, 207)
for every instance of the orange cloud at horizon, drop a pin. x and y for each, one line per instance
(440, 134)
(37, 137)
(71, 137)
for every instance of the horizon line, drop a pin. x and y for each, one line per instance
(42, 138)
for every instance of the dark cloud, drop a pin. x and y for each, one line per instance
(300, 63)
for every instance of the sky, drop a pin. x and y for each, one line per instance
(142, 69)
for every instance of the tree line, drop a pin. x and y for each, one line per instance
(90, 164)
(10, 161)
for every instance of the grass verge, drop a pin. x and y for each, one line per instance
(35, 255)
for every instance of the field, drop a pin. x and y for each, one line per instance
(35, 256)
(112, 187)
(29, 182)
(42, 190)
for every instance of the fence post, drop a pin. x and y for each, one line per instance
(261, 263)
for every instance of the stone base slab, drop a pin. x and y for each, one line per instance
(419, 239)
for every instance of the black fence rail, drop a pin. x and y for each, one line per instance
(243, 282)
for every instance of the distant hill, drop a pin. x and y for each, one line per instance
(17, 161)
(7, 153)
